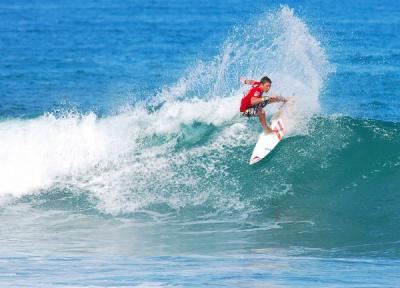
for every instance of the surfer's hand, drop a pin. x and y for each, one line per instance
(242, 79)
(276, 98)
(281, 99)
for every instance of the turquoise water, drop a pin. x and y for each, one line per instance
(124, 159)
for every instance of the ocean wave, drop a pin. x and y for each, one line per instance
(187, 146)
(209, 168)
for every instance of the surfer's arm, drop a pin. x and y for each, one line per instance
(270, 99)
(257, 100)
(247, 81)
(276, 98)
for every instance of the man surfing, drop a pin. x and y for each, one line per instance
(253, 102)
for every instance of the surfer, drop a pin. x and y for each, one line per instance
(253, 102)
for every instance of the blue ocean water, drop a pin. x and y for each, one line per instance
(124, 160)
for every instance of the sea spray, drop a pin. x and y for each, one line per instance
(277, 44)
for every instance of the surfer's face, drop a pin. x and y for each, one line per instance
(266, 86)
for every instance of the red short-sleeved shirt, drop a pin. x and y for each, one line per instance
(255, 91)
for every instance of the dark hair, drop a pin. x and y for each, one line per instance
(265, 79)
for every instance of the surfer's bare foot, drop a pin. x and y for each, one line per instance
(269, 131)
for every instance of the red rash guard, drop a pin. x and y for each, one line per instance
(255, 91)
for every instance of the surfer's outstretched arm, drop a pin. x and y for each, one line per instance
(247, 81)
(276, 98)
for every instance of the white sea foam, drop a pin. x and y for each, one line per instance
(130, 160)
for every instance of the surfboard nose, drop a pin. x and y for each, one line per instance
(254, 160)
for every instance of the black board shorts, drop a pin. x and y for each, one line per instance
(254, 110)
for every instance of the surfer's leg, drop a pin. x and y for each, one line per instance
(263, 121)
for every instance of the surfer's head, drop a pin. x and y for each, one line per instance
(265, 83)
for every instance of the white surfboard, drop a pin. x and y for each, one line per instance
(267, 142)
